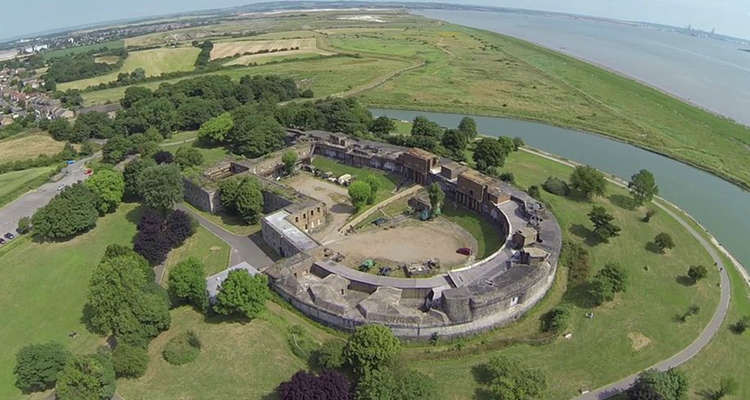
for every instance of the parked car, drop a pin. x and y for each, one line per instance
(60, 188)
(2, 241)
(9, 236)
(464, 250)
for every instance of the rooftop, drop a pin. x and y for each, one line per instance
(299, 239)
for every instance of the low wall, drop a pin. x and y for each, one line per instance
(201, 198)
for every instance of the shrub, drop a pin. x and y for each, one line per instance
(24, 225)
(697, 272)
(742, 325)
(182, 349)
(663, 242)
(556, 186)
(71, 212)
(163, 157)
(86, 377)
(188, 157)
(507, 177)
(509, 379)
(649, 214)
(556, 320)
(37, 366)
(129, 361)
(187, 283)
(533, 191)
(330, 355)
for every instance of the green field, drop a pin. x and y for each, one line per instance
(203, 246)
(43, 290)
(325, 76)
(489, 238)
(14, 184)
(387, 183)
(153, 61)
(28, 145)
(114, 44)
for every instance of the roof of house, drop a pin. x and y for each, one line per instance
(299, 239)
(419, 153)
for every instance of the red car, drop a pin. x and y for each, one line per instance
(464, 250)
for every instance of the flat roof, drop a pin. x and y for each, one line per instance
(213, 282)
(299, 239)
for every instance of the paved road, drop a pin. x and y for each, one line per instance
(242, 247)
(27, 204)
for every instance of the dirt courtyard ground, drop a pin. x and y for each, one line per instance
(412, 242)
(334, 196)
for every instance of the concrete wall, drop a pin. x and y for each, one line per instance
(201, 198)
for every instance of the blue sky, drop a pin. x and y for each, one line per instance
(730, 17)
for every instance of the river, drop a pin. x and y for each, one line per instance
(713, 74)
(723, 208)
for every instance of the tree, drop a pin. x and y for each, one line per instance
(607, 282)
(489, 153)
(60, 129)
(437, 196)
(395, 384)
(556, 320)
(424, 127)
(728, 386)
(518, 142)
(512, 380)
(242, 293)
(216, 129)
(24, 225)
(668, 385)
(158, 235)
(179, 227)
(116, 149)
(604, 229)
(697, 272)
(121, 300)
(289, 158)
(600, 292)
(534, 192)
(71, 212)
(255, 133)
(109, 185)
(135, 94)
(454, 140)
(89, 377)
(643, 187)
(588, 180)
(359, 193)
(329, 385)
(382, 126)
(242, 195)
(742, 325)
(93, 124)
(330, 355)
(129, 361)
(37, 366)
(131, 173)
(468, 127)
(163, 157)
(187, 283)
(160, 186)
(663, 241)
(374, 184)
(371, 347)
(188, 157)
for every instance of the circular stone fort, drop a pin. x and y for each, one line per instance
(304, 229)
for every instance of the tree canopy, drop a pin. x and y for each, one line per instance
(604, 229)
(668, 385)
(643, 187)
(511, 380)
(371, 347)
(359, 193)
(160, 186)
(437, 196)
(71, 212)
(88, 377)
(187, 283)
(242, 293)
(37, 366)
(382, 126)
(242, 196)
(588, 181)
(422, 126)
(489, 154)
(329, 385)
(109, 186)
(468, 127)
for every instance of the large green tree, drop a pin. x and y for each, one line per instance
(359, 193)
(659, 385)
(131, 173)
(422, 126)
(371, 347)
(109, 185)
(216, 129)
(37, 366)
(129, 361)
(255, 133)
(71, 212)
(588, 181)
(437, 196)
(161, 186)
(604, 229)
(643, 187)
(88, 377)
(512, 380)
(242, 293)
(489, 154)
(382, 126)
(468, 127)
(242, 195)
(187, 283)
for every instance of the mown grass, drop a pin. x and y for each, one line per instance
(153, 61)
(16, 183)
(43, 290)
(205, 247)
(386, 183)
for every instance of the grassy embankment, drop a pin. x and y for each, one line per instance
(16, 183)
(29, 144)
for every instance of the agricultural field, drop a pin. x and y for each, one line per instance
(153, 61)
(252, 47)
(31, 145)
(14, 184)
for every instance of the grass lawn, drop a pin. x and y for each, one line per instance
(113, 44)
(387, 183)
(602, 349)
(43, 290)
(25, 146)
(230, 222)
(488, 237)
(16, 183)
(203, 246)
(153, 61)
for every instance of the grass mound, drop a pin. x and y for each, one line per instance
(182, 349)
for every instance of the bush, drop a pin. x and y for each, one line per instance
(556, 186)
(300, 342)
(187, 283)
(129, 361)
(37, 366)
(649, 214)
(330, 355)
(663, 242)
(533, 191)
(507, 177)
(697, 272)
(329, 385)
(188, 157)
(182, 349)
(371, 347)
(509, 379)
(163, 157)
(86, 377)
(71, 212)
(24, 225)
(556, 320)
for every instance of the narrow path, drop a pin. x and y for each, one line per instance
(243, 248)
(708, 332)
